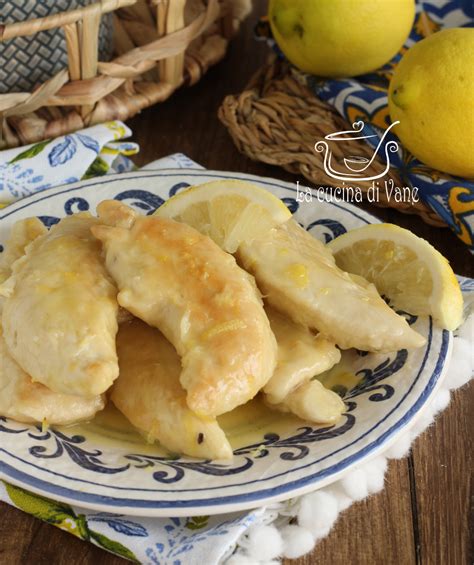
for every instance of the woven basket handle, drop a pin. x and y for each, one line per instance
(30, 27)
(141, 59)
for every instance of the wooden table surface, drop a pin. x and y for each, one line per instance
(423, 514)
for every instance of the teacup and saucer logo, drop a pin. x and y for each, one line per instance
(356, 165)
(353, 169)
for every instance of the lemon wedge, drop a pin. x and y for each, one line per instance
(403, 267)
(228, 211)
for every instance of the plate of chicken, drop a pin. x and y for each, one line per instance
(184, 342)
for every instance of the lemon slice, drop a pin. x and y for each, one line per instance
(403, 267)
(228, 211)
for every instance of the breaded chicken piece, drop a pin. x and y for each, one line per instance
(149, 394)
(181, 282)
(298, 276)
(20, 398)
(301, 356)
(60, 313)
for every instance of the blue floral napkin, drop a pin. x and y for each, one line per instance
(87, 153)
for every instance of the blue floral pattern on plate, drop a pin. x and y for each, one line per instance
(89, 472)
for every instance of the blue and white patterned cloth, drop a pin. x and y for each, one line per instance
(90, 152)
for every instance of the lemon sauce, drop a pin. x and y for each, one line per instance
(245, 425)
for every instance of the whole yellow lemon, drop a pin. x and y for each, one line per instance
(432, 95)
(335, 38)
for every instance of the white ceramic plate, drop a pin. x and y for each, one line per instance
(94, 469)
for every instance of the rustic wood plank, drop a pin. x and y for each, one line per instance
(26, 541)
(371, 531)
(443, 466)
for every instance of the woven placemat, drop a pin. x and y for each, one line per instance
(277, 120)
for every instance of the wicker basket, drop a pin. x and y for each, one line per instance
(277, 120)
(159, 46)
(30, 60)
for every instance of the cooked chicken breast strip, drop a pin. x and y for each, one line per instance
(25, 401)
(299, 277)
(149, 394)
(60, 313)
(20, 398)
(182, 283)
(21, 234)
(301, 356)
(313, 402)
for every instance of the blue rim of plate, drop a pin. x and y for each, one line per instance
(245, 500)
